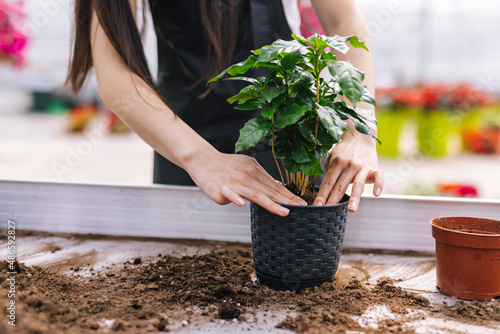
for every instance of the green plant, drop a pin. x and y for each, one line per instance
(300, 114)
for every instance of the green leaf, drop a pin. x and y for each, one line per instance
(355, 115)
(300, 154)
(272, 78)
(236, 69)
(289, 60)
(366, 114)
(325, 141)
(300, 74)
(357, 112)
(307, 131)
(349, 78)
(290, 165)
(283, 149)
(269, 53)
(269, 110)
(271, 94)
(363, 128)
(367, 96)
(252, 133)
(247, 93)
(313, 167)
(252, 104)
(304, 96)
(301, 40)
(274, 65)
(329, 56)
(332, 122)
(247, 79)
(320, 44)
(356, 43)
(290, 115)
(338, 43)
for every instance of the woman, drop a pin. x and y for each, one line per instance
(191, 126)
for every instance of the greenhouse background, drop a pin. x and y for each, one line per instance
(89, 244)
(449, 44)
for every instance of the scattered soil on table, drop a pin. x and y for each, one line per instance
(138, 297)
(50, 248)
(476, 311)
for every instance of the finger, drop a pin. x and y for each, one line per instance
(357, 190)
(327, 185)
(285, 195)
(340, 187)
(261, 199)
(232, 196)
(275, 192)
(377, 178)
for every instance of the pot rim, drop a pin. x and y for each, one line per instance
(465, 239)
(343, 201)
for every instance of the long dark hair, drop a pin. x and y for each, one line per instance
(219, 17)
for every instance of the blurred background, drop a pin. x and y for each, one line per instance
(438, 84)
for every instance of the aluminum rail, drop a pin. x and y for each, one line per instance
(388, 222)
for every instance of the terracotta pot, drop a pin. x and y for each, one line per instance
(467, 257)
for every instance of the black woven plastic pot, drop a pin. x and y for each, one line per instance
(300, 250)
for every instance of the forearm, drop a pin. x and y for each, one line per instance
(142, 109)
(144, 112)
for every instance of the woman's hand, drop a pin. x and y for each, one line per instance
(354, 160)
(227, 178)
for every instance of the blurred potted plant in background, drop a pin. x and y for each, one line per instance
(442, 113)
(394, 108)
(483, 137)
(434, 127)
(446, 110)
(12, 40)
(480, 128)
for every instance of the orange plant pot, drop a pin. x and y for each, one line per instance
(467, 257)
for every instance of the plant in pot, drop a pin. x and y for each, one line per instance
(438, 124)
(302, 117)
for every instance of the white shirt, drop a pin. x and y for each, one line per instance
(291, 8)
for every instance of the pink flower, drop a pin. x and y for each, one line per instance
(12, 41)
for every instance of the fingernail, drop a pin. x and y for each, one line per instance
(378, 191)
(353, 206)
(240, 202)
(284, 211)
(302, 202)
(319, 204)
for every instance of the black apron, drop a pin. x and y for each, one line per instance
(181, 60)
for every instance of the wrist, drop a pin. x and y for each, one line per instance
(199, 157)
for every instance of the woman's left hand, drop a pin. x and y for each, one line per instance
(354, 160)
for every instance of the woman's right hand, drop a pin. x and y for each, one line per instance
(231, 178)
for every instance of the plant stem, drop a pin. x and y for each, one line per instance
(285, 75)
(287, 174)
(316, 176)
(304, 185)
(316, 123)
(274, 156)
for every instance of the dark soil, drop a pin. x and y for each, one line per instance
(144, 298)
(309, 195)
